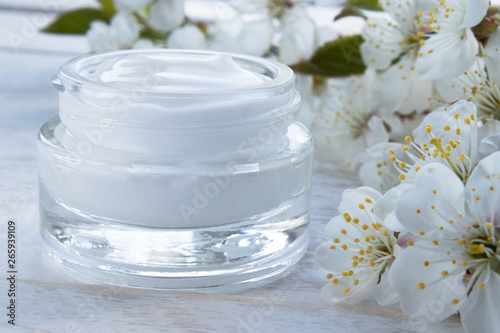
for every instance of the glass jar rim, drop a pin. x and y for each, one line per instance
(70, 77)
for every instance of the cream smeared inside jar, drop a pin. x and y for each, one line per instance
(166, 73)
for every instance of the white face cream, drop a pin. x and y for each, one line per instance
(174, 74)
(175, 169)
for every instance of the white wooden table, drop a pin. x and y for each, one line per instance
(49, 299)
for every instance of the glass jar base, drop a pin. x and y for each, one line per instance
(230, 257)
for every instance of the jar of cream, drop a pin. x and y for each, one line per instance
(175, 169)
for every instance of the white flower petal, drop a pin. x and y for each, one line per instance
(124, 28)
(256, 46)
(331, 255)
(393, 86)
(419, 96)
(392, 222)
(489, 145)
(298, 35)
(492, 49)
(328, 145)
(491, 127)
(480, 312)
(383, 291)
(405, 92)
(334, 229)
(400, 127)
(238, 36)
(476, 11)
(187, 37)
(447, 90)
(166, 14)
(376, 132)
(387, 203)
(482, 192)
(231, 28)
(353, 201)
(401, 10)
(98, 37)
(378, 172)
(446, 55)
(427, 206)
(332, 260)
(431, 301)
(382, 42)
(348, 293)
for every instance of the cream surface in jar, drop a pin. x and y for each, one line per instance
(175, 169)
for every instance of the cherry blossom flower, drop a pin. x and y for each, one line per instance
(447, 135)
(121, 33)
(357, 113)
(454, 263)
(346, 125)
(359, 251)
(450, 45)
(298, 35)
(437, 36)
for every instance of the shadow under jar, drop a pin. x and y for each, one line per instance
(175, 169)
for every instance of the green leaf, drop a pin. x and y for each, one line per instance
(337, 58)
(77, 21)
(365, 4)
(108, 6)
(349, 11)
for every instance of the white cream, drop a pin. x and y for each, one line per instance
(176, 74)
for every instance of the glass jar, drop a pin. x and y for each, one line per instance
(175, 169)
